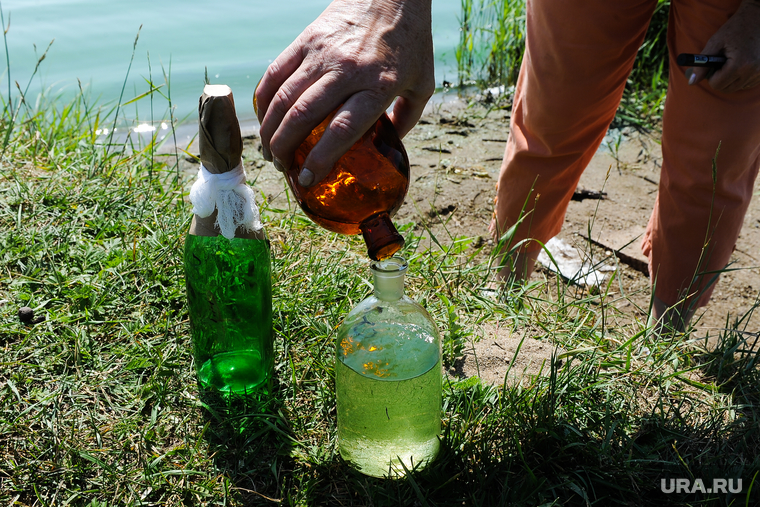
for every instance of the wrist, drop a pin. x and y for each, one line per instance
(419, 8)
(414, 3)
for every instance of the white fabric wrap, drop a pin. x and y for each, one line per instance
(230, 196)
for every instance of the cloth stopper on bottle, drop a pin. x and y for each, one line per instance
(221, 179)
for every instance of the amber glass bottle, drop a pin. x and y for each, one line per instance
(365, 188)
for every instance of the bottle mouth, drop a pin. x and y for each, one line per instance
(395, 265)
(381, 237)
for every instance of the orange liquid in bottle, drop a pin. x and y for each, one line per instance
(365, 188)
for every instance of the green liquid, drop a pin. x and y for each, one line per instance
(230, 302)
(382, 421)
(389, 398)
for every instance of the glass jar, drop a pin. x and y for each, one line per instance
(388, 379)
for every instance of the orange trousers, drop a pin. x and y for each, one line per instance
(578, 56)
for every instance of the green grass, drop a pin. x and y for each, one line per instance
(99, 403)
(492, 42)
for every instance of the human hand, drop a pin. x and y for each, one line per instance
(359, 53)
(739, 41)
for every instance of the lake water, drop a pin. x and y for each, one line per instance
(234, 39)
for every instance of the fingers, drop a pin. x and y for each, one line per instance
(294, 110)
(726, 82)
(406, 113)
(696, 74)
(751, 83)
(275, 76)
(354, 55)
(737, 40)
(734, 77)
(728, 79)
(351, 121)
(356, 116)
(289, 122)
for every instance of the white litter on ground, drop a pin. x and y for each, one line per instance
(573, 265)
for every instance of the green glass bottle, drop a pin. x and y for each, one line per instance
(230, 304)
(388, 379)
(227, 260)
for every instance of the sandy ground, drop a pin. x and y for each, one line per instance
(455, 154)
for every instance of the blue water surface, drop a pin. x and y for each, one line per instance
(234, 39)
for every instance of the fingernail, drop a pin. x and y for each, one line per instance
(306, 178)
(255, 104)
(278, 165)
(692, 76)
(267, 154)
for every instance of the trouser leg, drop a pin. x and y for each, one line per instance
(577, 59)
(696, 222)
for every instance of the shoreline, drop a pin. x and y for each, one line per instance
(249, 126)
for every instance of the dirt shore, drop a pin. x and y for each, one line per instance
(455, 153)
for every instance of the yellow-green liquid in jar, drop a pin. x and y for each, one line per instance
(389, 415)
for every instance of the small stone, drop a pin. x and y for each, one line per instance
(25, 315)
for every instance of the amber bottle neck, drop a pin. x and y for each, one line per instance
(381, 237)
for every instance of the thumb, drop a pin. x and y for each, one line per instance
(347, 126)
(696, 74)
(405, 114)
(714, 46)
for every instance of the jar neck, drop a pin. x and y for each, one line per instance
(388, 276)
